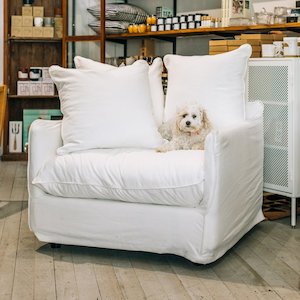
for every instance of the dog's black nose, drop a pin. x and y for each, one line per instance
(188, 123)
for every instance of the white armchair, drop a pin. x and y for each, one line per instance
(231, 204)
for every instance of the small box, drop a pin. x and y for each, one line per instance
(37, 32)
(46, 75)
(48, 32)
(58, 22)
(15, 137)
(27, 31)
(38, 11)
(16, 21)
(58, 32)
(48, 88)
(27, 21)
(36, 88)
(23, 88)
(16, 31)
(26, 10)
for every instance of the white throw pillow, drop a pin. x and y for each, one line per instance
(216, 82)
(156, 88)
(105, 109)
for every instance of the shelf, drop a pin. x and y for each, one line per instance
(14, 156)
(202, 31)
(83, 38)
(14, 97)
(34, 40)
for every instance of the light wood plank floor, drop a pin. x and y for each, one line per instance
(265, 264)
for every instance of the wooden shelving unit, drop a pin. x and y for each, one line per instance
(26, 52)
(203, 31)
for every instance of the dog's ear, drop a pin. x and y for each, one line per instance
(176, 129)
(205, 120)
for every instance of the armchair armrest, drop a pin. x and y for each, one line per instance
(44, 139)
(234, 179)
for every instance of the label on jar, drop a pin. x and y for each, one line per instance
(175, 20)
(168, 21)
(183, 25)
(176, 26)
(191, 25)
(153, 28)
(190, 18)
(160, 21)
(182, 19)
(161, 27)
(168, 27)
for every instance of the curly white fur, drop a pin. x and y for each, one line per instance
(187, 131)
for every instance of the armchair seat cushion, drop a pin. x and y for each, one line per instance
(132, 175)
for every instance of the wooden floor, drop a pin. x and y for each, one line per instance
(265, 264)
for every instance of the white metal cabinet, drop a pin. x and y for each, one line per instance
(276, 82)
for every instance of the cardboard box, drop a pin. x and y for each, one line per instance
(48, 88)
(37, 32)
(58, 27)
(218, 48)
(36, 88)
(214, 53)
(254, 48)
(23, 88)
(148, 48)
(38, 11)
(256, 36)
(16, 31)
(27, 21)
(218, 42)
(58, 33)
(26, 10)
(255, 54)
(16, 21)
(58, 22)
(27, 31)
(15, 136)
(48, 32)
(259, 42)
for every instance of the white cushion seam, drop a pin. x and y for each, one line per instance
(116, 188)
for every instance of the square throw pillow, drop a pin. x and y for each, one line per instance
(105, 109)
(216, 82)
(156, 88)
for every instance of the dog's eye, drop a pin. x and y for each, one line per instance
(194, 116)
(184, 115)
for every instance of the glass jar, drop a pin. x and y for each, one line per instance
(130, 28)
(135, 28)
(142, 28)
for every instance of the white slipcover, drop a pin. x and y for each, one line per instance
(130, 175)
(232, 200)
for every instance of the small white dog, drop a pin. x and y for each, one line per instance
(187, 131)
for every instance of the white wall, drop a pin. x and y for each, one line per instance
(1, 42)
